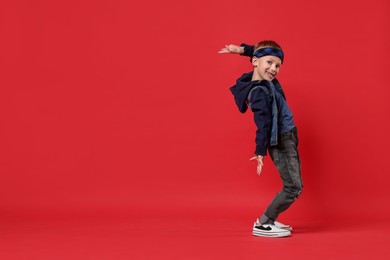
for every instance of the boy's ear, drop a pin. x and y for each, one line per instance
(255, 61)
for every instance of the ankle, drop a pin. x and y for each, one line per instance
(269, 221)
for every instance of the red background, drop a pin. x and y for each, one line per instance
(121, 110)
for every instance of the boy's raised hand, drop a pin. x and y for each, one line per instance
(232, 49)
(259, 160)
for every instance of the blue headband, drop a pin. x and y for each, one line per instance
(269, 51)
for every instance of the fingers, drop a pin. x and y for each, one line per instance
(259, 168)
(226, 49)
(259, 159)
(259, 163)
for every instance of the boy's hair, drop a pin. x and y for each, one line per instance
(267, 43)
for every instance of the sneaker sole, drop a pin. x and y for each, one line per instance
(271, 234)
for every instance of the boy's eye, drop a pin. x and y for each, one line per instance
(269, 62)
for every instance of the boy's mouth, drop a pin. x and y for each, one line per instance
(270, 75)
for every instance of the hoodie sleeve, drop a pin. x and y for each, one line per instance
(248, 50)
(262, 117)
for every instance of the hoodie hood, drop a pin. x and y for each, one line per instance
(244, 85)
(241, 90)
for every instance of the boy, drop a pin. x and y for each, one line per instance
(276, 131)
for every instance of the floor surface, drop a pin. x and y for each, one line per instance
(196, 235)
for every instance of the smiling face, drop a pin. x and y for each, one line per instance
(266, 67)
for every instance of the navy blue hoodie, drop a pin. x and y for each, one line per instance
(260, 101)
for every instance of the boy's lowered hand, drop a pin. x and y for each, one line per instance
(260, 164)
(233, 49)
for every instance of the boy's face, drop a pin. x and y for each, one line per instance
(266, 67)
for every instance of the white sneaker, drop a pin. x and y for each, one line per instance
(283, 226)
(269, 230)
